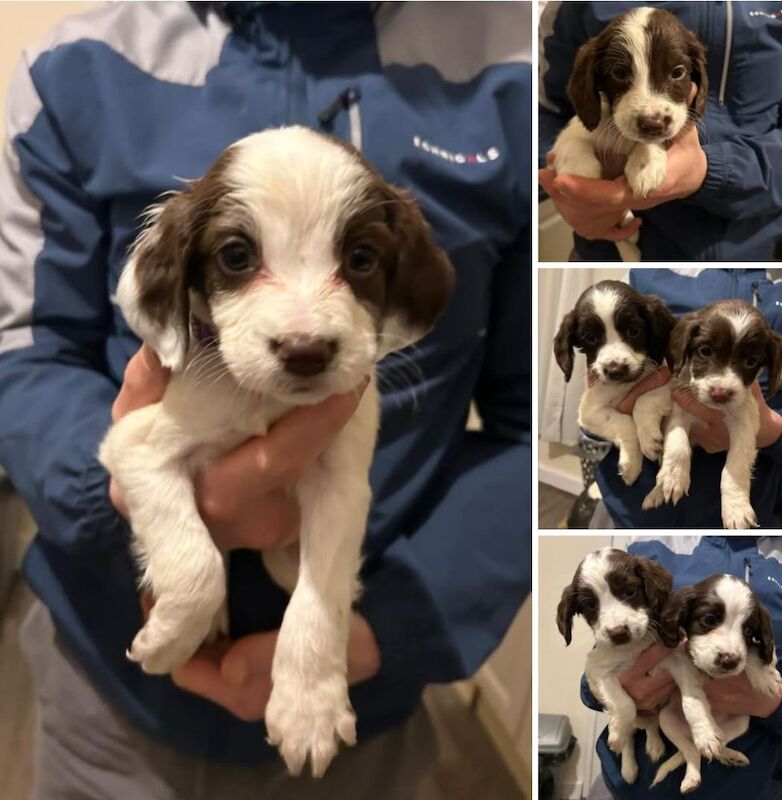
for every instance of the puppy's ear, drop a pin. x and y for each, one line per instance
(660, 322)
(582, 88)
(700, 77)
(774, 354)
(657, 584)
(762, 634)
(566, 611)
(564, 342)
(153, 288)
(422, 278)
(675, 616)
(679, 342)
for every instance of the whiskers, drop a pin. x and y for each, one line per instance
(206, 367)
(399, 371)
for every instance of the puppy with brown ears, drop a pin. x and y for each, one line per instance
(278, 279)
(632, 91)
(716, 353)
(624, 336)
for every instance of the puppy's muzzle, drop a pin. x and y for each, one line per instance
(304, 356)
(719, 394)
(617, 371)
(654, 126)
(726, 662)
(619, 635)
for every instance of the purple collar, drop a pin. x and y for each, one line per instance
(204, 334)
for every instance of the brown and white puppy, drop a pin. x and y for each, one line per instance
(624, 335)
(622, 598)
(279, 278)
(726, 632)
(630, 88)
(717, 353)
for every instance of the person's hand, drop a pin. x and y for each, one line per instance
(244, 496)
(712, 432)
(654, 380)
(735, 695)
(237, 675)
(648, 692)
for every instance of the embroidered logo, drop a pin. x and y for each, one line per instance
(772, 15)
(774, 580)
(492, 154)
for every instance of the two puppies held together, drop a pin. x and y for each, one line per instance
(716, 629)
(715, 353)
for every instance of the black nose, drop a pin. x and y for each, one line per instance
(653, 125)
(304, 355)
(619, 635)
(720, 395)
(616, 371)
(726, 661)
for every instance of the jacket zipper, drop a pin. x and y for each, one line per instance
(347, 100)
(747, 571)
(755, 294)
(728, 45)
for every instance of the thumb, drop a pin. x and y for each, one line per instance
(648, 659)
(686, 400)
(144, 383)
(249, 658)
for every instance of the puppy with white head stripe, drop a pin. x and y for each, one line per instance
(726, 632)
(632, 90)
(717, 353)
(624, 335)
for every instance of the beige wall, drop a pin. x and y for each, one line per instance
(22, 25)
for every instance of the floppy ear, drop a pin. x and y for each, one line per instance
(762, 633)
(422, 279)
(566, 611)
(657, 583)
(564, 342)
(675, 616)
(774, 353)
(152, 290)
(660, 323)
(582, 86)
(679, 342)
(700, 77)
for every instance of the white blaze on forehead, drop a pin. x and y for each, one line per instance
(740, 321)
(635, 39)
(737, 599)
(298, 187)
(605, 301)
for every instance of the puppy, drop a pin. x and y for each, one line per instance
(278, 279)
(622, 598)
(727, 632)
(717, 353)
(624, 335)
(630, 88)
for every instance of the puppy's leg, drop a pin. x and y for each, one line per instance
(673, 477)
(764, 678)
(737, 511)
(574, 152)
(655, 747)
(645, 169)
(674, 726)
(621, 724)
(309, 712)
(618, 428)
(649, 412)
(182, 567)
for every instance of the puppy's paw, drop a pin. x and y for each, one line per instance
(629, 770)
(709, 743)
(654, 499)
(160, 646)
(690, 783)
(655, 747)
(674, 481)
(767, 681)
(651, 440)
(578, 164)
(645, 170)
(630, 465)
(618, 737)
(738, 515)
(310, 720)
(732, 758)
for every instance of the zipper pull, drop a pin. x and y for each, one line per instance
(747, 571)
(755, 294)
(343, 101)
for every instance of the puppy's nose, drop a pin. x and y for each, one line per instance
(720, 395)
(653, 125)
(619, 635)
(616, 370)
(726, 661)
(304, 355)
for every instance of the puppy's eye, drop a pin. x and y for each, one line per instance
(236, 256)
(710, 620)
(619, 73)
(751, 362)
(634, 331)
(363, 260)
(678, 73)
(590, 338)
(704, 351)
(629, 593)
(588, 605)
(749, 632)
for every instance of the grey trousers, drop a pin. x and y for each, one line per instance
(85, 750)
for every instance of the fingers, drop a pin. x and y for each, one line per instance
(658, 697)
(144, 383)
(655, 380)
(249, 659)
(686, 400)
(650, 657)
(621, 234)
(600, 193)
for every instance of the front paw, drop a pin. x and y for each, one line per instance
(674, 481)
(732, 758)
(738, 515)
(645, 170)
(690, 783)
(618, 737)
(581, 166)
(629, 770)
(654, 499)
(650, 438)
(310, 720)
(768, 682)
(655, 748)
(709, 743)
(630, 465)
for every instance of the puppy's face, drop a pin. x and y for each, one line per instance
(619, 330)
(722, 620)
(306, 264)
(644, 65)
(619, 596)
(725, 345)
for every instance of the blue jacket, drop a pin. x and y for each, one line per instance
(737, 212)
(762, 743)
(101, 119)
(684, 291)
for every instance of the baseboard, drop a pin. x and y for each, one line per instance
(572, 791)
(560, 478)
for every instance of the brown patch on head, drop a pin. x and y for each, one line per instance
(758, 631)
(577, 598)
(639, 582)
